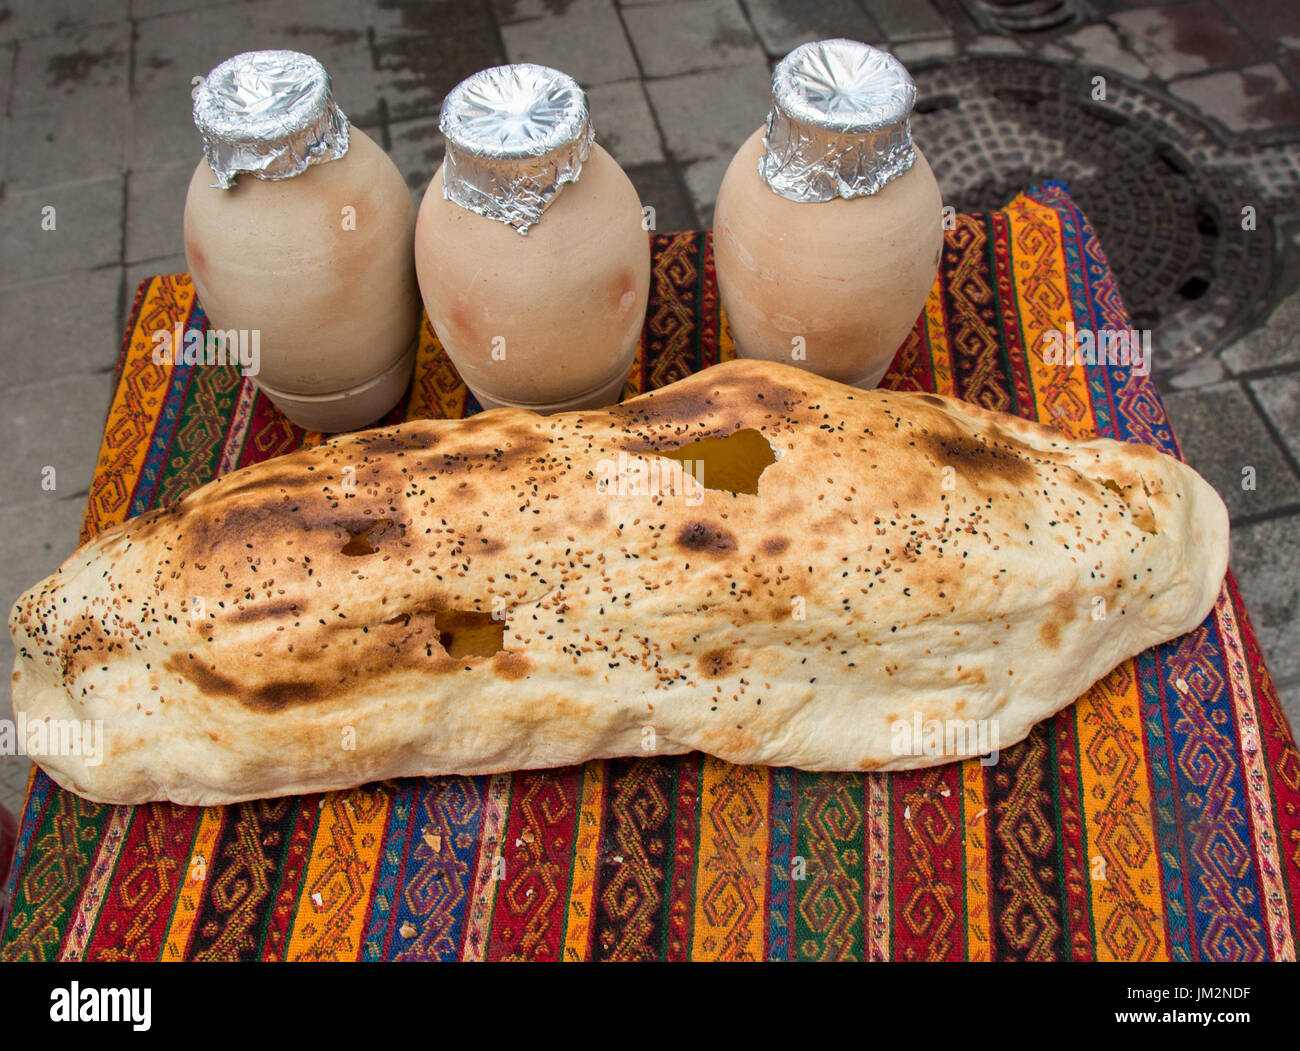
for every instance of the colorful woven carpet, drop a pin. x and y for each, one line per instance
(1156, 819)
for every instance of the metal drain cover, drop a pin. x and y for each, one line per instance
(1164, 192)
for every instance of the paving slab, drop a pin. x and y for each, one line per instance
(1288, 695)
(53, 145)
(1270, 584)
(416, 147)
(1273, 22)
(1257, 98)
(72, 66)
(8, 58)
(60, 326)
(1276, 342)
(994, 45)
(87, 230)
(160, 128)
(586, 41)
(918, 51)
(1202, 373)
(1099, 47)
(661, 187)
(416, 72)
(40, 535)
(29, 18)
(142, 9)
(782, 25)
(691, 35)
(624, 124)
(703, 180)
(56, 423)
(738, 99)
(506, 12)
(1184, 38)
(906, 19)
(1279, 396)
(1222, 435)
(172, 49)
(14, 771)
(393, 19)
(155, 210)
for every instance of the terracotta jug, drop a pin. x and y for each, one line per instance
(532, 257)
(299, 229)
(828, 225)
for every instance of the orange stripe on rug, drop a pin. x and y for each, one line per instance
(731, 865)
(1124, 870)
(331, 909)
(580, 918)
(137, 403)
(975, 824)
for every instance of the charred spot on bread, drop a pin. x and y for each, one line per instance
(258, 610)
(276, 696)
(716, 662)
(203, 676)
(511, 666)
(705, 538)
(979, 458)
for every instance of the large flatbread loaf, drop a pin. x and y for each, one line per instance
(513, 591)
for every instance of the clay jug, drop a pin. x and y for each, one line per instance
(828, 225)
(298, 234)
(530, 248)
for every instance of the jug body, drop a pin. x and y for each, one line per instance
(311, 254)
(532, 258)
(828, 226)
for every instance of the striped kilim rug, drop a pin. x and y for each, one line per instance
(1156, 819)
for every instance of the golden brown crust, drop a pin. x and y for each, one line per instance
(904, 554)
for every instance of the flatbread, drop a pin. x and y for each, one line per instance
(900, 560)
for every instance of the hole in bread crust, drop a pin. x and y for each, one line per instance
(1143, 517)
(461, 632)
(359, 541)
(732, 464)
(468, 633)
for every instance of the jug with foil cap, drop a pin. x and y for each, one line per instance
(298, 231)
(828, 225)
(531, 254)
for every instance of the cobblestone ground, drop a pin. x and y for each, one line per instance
(97, 123)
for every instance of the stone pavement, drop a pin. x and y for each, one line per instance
(97, 125)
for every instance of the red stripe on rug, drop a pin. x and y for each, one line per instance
(528, 923)
(929, 859)
(151, 868)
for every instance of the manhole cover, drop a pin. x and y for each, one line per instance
(1164, 193)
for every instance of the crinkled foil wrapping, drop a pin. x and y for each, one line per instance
(839, 122)
(270, 114)
(515, 135)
